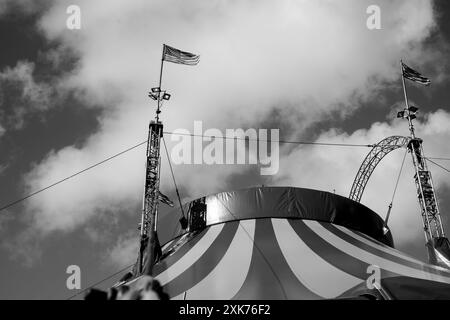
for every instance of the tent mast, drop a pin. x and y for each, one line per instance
(148, 225)
(431, 218)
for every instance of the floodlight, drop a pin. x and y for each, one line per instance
(413, 109)
(401, 114)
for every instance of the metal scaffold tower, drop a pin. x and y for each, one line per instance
(425, 192)
(151, 189)
(437, 243)
(148, 238)
(435, 238)
(149, 250)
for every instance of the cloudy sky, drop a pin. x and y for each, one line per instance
(71, 98)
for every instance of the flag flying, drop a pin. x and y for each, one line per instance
(165, 199)
(177, 56)
(413, 75)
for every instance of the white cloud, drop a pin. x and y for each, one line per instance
(21, 95)
(328, 168)
(85, 196)
(124, 251)
(308, 58)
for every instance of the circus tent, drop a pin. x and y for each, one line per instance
(283, 243)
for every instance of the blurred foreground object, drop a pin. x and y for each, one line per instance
(144, 288)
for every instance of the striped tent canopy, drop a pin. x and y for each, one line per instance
(285, 243)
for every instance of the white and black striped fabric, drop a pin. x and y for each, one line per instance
(284, 243)
(280, 259)
(413, 75)
(181, 57)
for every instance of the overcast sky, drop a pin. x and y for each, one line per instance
(312, 69)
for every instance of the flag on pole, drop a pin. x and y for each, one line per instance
(177, 56)
(413, 75)
(165, 199)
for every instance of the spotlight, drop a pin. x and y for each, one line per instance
(166, 96)
(157, 89)
(401, 114)
(413, 109)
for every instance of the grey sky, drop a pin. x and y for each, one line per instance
(70, 98)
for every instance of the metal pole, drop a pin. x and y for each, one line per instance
(156, 209)
(426, 194)
(144, 204)
(426, 222)
(150, 201)
(158, 111)
(411, 127)
(387, 215)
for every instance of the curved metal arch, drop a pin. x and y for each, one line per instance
(378, 152)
